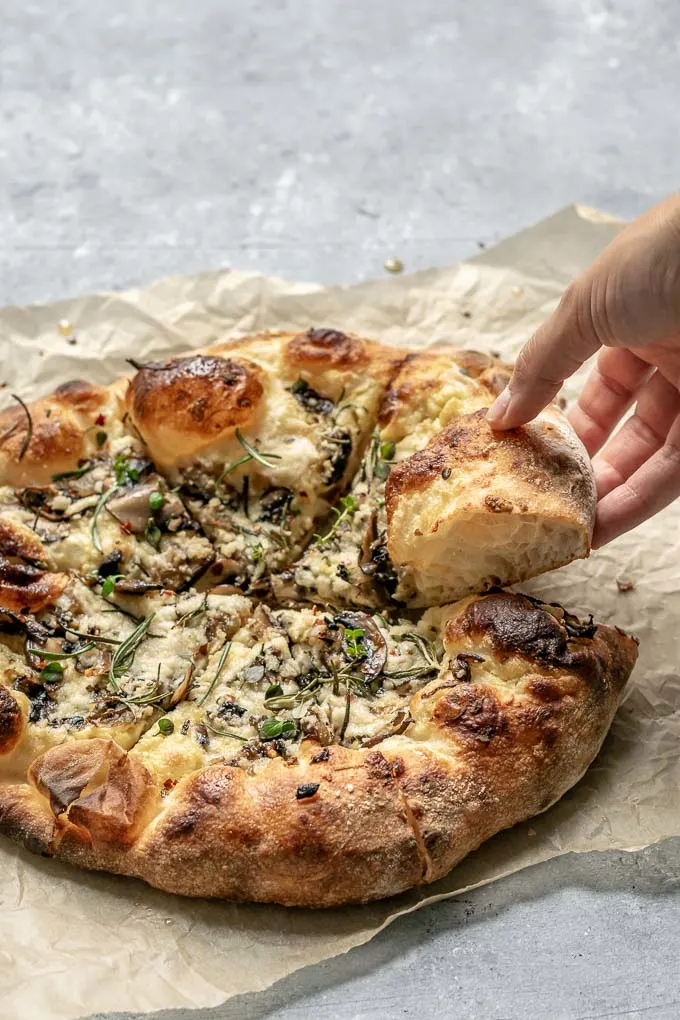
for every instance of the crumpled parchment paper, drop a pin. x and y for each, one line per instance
(74, 943)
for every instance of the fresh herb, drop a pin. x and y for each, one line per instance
(57, 656)
(109, 584)
(354, 642)
(348, 706)
(251, 454)
(95, 638)
(28, 435)
(201, 608)
(100, 438)
(166, 727)
(76, 473)
(220, 667)
(272, 728)
(225, 733)
(306, 790)
(273, 691)
(382, 470)
(52, 673)
(124, 655)
(430, 663)
(101, 503)
(387, 450)
(156, 500)
(123, 472)
(152, 533)
(349, 507)
(256, 552)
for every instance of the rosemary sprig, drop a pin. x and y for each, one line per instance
(431, 662)
(251, 454)
(76, 473)
(201, 608)
(29, 426)
(220, 667)
(225, 733)
(124, 655)
(58, 656)
(348, 705)
(101, 503)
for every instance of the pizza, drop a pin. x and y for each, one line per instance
(255, 637)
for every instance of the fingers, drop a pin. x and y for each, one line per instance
(558, 348)
(658, 405)
(650, 488)
(608, 393)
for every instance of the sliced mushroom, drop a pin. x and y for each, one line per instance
(180, 692)
(132, 507)
(374, 644)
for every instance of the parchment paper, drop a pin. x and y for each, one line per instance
(72, 943)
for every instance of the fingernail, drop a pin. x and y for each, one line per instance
(497, 411)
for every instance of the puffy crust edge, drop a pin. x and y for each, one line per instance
(349, 825)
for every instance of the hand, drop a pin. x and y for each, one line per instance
(627, 306)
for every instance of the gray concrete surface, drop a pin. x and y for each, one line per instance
(314, 139)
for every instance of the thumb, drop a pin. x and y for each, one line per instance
(557, 349)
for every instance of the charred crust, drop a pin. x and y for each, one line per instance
(472, 712)
(81, 396)
(202, 394)
(11, 722)
(321, 348)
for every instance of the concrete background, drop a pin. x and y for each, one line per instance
(315, 139)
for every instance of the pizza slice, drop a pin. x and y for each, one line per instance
(442, 506)
(261, 436)
(348, 562)
(73, 472)
(258, 789)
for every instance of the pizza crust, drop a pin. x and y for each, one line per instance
(493, 742)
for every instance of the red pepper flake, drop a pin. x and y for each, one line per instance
(126, 527)
(100, 419)
(169, 783)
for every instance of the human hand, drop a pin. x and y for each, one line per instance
(627, 306)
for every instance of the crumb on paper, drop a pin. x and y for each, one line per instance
(625, 583)
(467, 315)
(481, 244)
(394, 265)
(517, 291)
(65, 327)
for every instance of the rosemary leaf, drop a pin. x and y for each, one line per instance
(29, 426)
(103, 500)
(124, 655)
(220, 667)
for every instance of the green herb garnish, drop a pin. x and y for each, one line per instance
(109, 583)
(52, 672)
(354, 642)
(349, 507)
(124, 655)
(256, 552)
(76, 473)
(29, 427)
(123, 472)
(273, 691)
(272, 728)
(152, 533)
(166, 727)
(156, 500)
(100, 438)
(101, 503)
(57, 656)
(251, 454)
(220, 667)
